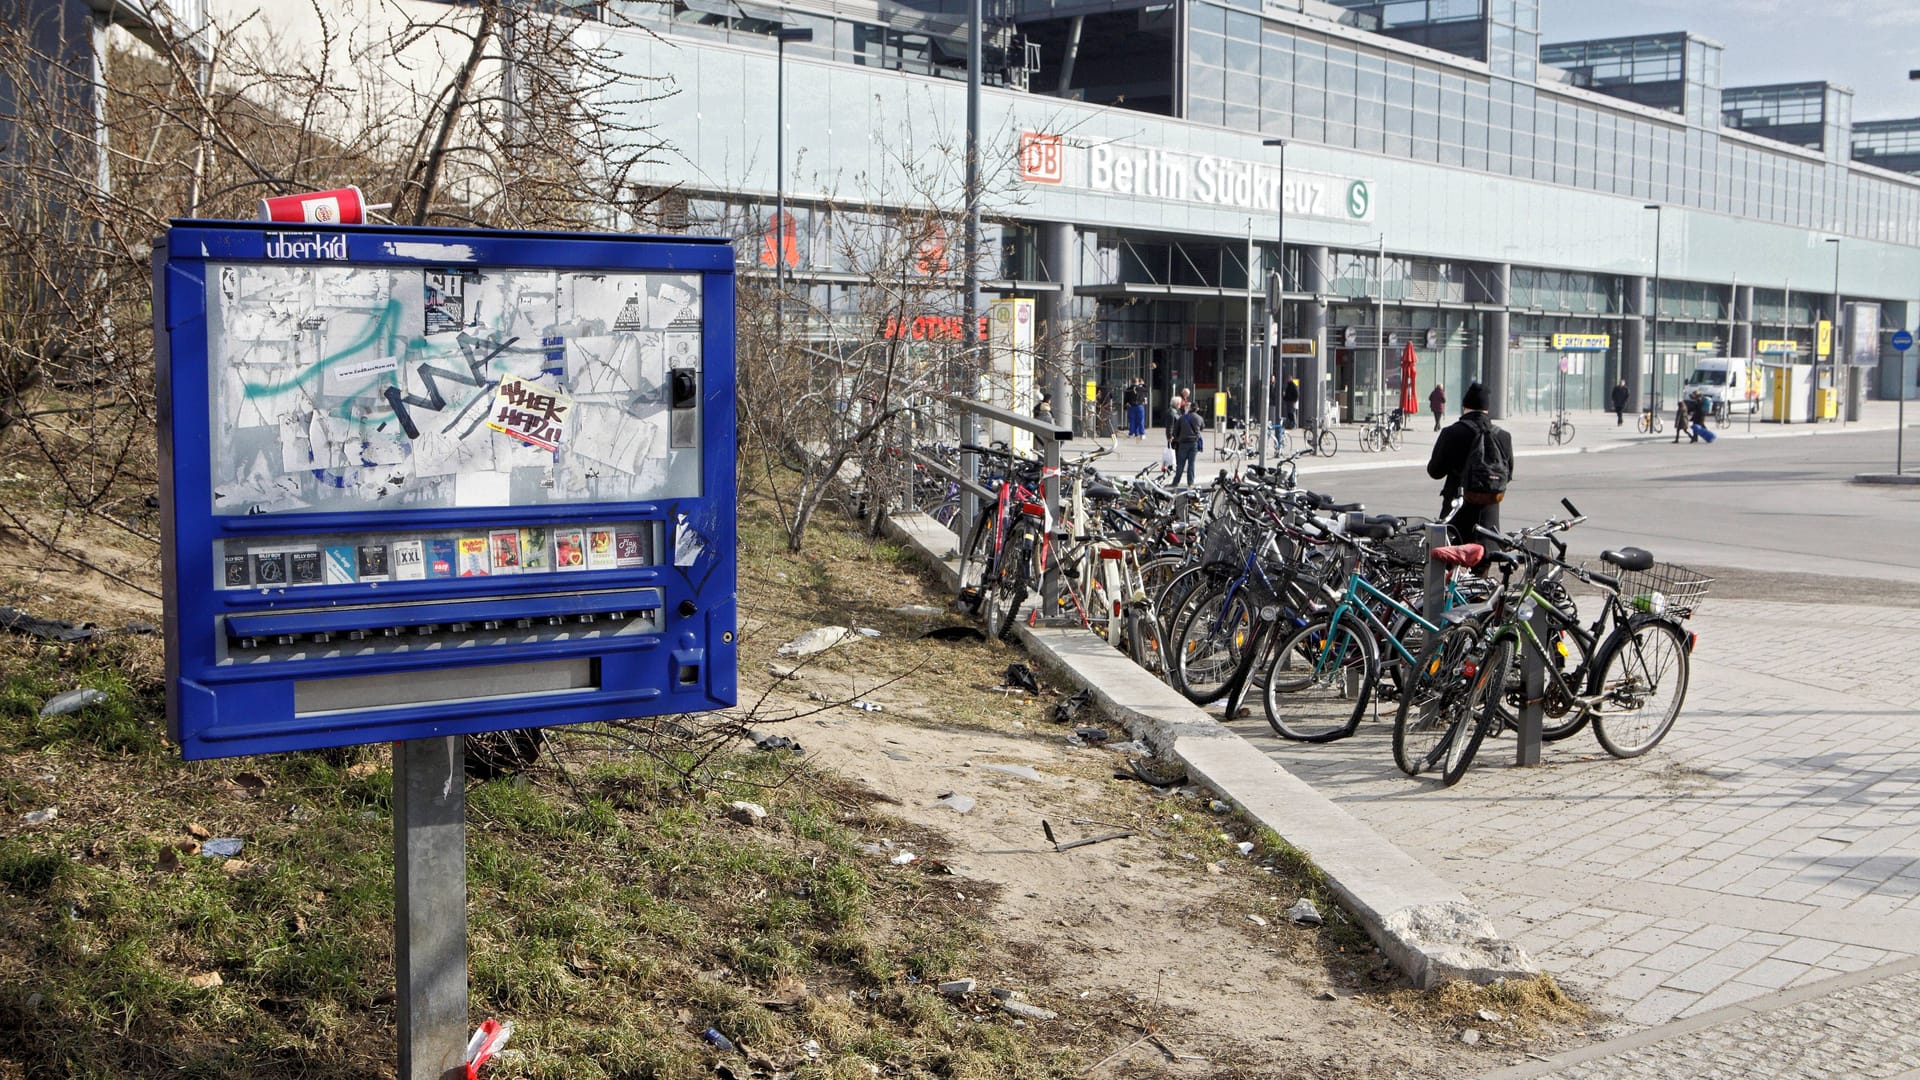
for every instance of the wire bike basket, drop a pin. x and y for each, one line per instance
(1665, 588)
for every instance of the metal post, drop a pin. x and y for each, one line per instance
(970, 297)
(1434, 600)
(1380, 329)
(1653, 340)
(430, 905)
(780, 38)
(1276, 305)
(1533, 681)
(1840, 397)
(1050, 486)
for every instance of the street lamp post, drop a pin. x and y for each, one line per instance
(1380, 327)
(1833, 338)
(780, 37)
(1653, 333)
(1275, 302)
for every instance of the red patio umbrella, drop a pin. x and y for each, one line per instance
(1409, 374)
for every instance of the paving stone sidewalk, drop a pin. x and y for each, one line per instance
(1771, 842)
(1861, 1028)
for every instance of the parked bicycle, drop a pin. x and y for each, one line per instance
(1649, 422)
(1560, 429)
(1627, 672)
(1383, 431)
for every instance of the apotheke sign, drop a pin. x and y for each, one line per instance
(1149, 172)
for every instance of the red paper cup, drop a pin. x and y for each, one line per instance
(341, 206)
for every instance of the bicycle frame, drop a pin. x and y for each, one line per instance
(1358, 586)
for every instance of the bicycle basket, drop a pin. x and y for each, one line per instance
(1667, 588)
(1219, 544)
(1406, 549)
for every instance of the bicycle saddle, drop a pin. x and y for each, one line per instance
(1631, 558)
(1102, 491)
(1458, 554)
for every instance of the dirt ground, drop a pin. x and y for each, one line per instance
(1171, 932)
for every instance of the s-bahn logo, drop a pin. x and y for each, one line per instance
(1358, 199)
(1041, 158)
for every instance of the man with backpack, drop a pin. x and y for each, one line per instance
(1184, 434)
(1475, 458)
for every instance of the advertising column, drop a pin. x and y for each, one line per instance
(1009, 377)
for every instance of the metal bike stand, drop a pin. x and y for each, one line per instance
(1533, 682)
(1434, 598)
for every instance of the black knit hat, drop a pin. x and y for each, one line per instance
(1475, 397)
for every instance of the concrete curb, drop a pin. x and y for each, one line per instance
(1424, 925)
(1887, 478)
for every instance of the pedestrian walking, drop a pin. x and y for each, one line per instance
(1697, 419)
(1185, 438)
(1475, 459)
(1681, 420)
(1136, 411)
(1437, 401)
(1043, 412)
(1620, 403)
(1290, 403)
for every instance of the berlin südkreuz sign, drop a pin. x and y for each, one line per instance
(1149, 172)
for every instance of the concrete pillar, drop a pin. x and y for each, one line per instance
(1056, 317)
(1313, 389)
(1633, 349)
(1742, 342)
(1495, 327)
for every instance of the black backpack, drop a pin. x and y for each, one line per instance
(1485, 479)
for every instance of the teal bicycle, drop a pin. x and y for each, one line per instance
(1326, 672)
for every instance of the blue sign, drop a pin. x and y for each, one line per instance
(1902, 340)
(420, 482)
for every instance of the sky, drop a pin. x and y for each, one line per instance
(1868, 45)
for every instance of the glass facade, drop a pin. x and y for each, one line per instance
(1890, 144)
(1326, 89)
(1675, 72)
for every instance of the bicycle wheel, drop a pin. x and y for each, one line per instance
(1321, 680)
(1643, 423)
(1011, 581)
(1480, 714)
(1643, 681)
(1566, 431)
(1326, 443)
(1369, 440)
(977, 563)
(1434, 706)
(1209, 636)
(1562, 717)
(1142, 632)
(1172, 597)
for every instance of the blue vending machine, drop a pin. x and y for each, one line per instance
(423, 483)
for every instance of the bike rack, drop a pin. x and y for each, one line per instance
(1050, 436)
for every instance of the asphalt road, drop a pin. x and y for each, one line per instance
(1772, 517)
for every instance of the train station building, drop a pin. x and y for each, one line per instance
(1449, 178)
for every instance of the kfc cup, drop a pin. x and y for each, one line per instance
(341, 206)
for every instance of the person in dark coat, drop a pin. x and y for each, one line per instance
(1437, 401)
(1451, 453)
(1620, 403)
(1289, 403)
(1185, 434)
(1136, 410)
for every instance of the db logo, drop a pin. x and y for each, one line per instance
(1040, 158)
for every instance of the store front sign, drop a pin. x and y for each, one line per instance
(1582, 342)
(1781, 347)
(1148, 172)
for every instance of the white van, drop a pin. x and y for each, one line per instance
(1735, 380)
